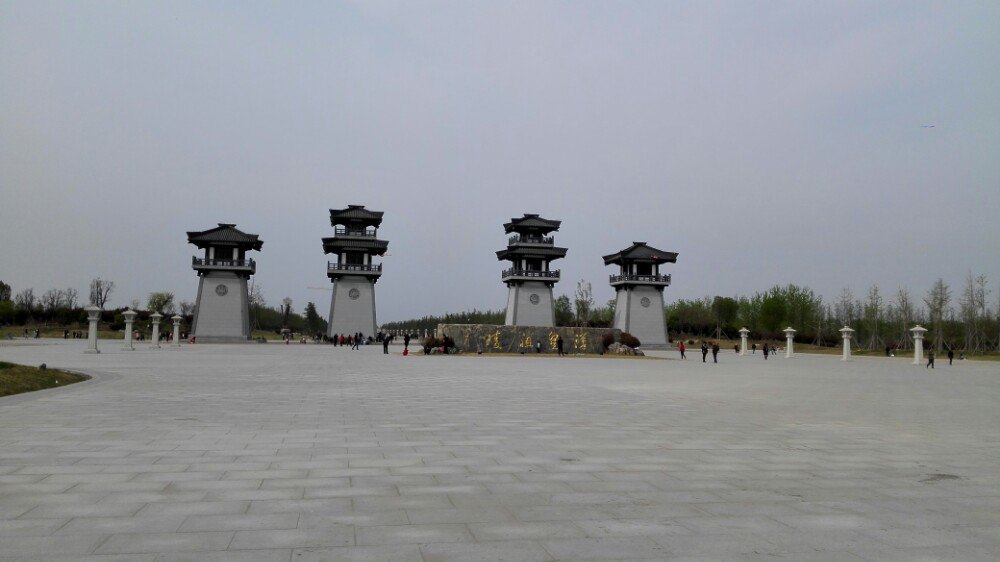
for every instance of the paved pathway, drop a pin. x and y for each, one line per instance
(307, 452)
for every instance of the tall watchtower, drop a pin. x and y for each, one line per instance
(639, 293)
(529, 280)
(354, 243)
(222, 312)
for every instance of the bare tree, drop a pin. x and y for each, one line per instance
(583, 299)
(25, 300)
(187, 308)
(844, 308)
(257, 296)
(52, 299)
(100, 290)
(974, 312)
(937, 301)
(904, 315)
(286, 306)
(135, 305)
(874, 313)
(71, 296)
(4, 292)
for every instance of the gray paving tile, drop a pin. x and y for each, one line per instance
(293, 538)
(412, 534)
(508, 551)
(135, 543)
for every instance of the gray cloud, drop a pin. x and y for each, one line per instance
(767, 143)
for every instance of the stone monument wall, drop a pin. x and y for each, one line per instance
(490, 338)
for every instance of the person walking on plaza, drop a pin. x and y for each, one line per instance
(704, 352)
(406, 342)
(385, 344)
(715, 352)
(681, 348)
(930, 358)
(559, 345)
(754, 348)
(951, 355)
(765, 352)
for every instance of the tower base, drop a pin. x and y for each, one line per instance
(352, 308)
(639, 311)
(529, 303)
(222, 312)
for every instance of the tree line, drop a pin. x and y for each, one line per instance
(63, 307)
(967, 319)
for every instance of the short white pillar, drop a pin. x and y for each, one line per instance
(789, 339)
(743, 340)
(155, 318)
(918, 344)
(846, 332)
(93, 316)
(177, 329)
(129, 320)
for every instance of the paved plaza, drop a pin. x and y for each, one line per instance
(310, 452)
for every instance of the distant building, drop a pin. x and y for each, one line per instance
(222, 312)
(639, 293)
(529, 280)
(353, 274)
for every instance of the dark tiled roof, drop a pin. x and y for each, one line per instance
(550, 252)
(640, 251)
(339, 243)
(354, 214)
(531, 222)
(225, 234)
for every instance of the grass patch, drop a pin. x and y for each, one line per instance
(15, 379)
(17, 332)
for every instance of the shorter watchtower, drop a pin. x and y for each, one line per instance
(222, 312)
(529, 280)
(639, 293)
(353, 274)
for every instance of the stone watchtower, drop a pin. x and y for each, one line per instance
(529, 280)
(354, 242)
(222, 312)
(639, 293)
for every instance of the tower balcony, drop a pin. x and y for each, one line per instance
(532, 240)
(633, 279)
(336, 269)
(513, 274)
(247, 266)
(341, 231)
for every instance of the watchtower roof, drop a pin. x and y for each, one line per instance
(355, 214)
(531, 223)
(545, 252)
(641, 252)
(371, 246)
(225, 235)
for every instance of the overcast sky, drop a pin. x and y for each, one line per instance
(767, 143)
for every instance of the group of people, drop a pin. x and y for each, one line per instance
(353, 340)
(714, 348)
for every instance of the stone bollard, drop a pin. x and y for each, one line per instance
(155, 318)
(918, 344)
(177, 330)
(846, 333)
(743, 340)
(93, 316)
(129, 320)
(789, 339)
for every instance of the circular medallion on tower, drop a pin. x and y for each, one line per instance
(354, 294)
(534, 298)
(221, 290)
(645, 302)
